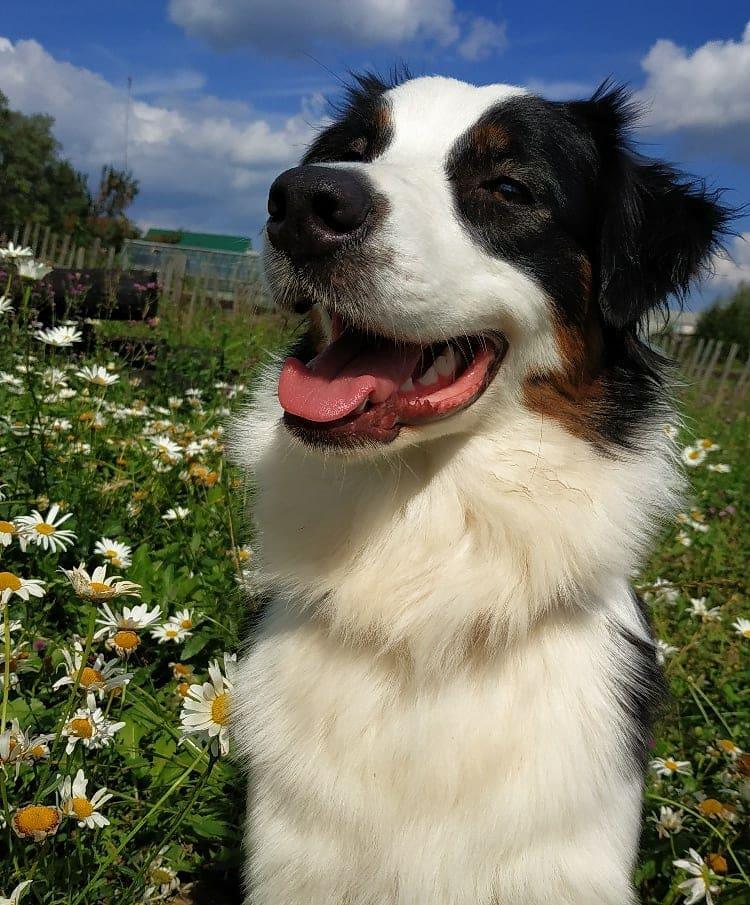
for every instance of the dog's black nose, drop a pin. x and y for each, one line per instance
(314, 210)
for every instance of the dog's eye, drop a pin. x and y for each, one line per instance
(506, 189)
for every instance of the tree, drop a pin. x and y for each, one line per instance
(38, 185)
(117, 191)
(728, 319)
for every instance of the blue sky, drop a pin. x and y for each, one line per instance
(226, 93)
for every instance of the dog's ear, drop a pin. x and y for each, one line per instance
(656, 230)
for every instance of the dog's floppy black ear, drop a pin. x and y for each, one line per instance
(656, 230)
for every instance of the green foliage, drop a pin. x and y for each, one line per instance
(728, 319)
(38, 185)
(176, 809)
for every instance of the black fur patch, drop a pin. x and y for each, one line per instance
(363, 129)
(642, 690)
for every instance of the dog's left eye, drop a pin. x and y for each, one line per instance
(506, 189)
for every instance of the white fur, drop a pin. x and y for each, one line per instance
(428, 708)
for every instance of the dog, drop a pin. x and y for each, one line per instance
(449, 695)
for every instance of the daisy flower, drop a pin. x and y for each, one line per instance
(693, 456)
(100, 677)
(741, 626)
(668, 822)
(728, 747)
(6, 304)
(668, 766)
(44, 530)
(98, 586)
(664, 650)
(30, 269)
(206, 708)
(74, 802)
(708, 444)
(14, 252)
(10, 584)
(60, 337)
(185, 619)
(90, 727)
(8, 531)
(167, 451)
(162, 880)
(720, 467)
(120, 555)
(98, 375)
(670, 430)
(700, 885)
(130, 618)
(699, 609)
(178, 514)
(15, 896)
(169, 631)
(35, 821)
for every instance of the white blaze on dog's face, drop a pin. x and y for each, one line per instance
(476, 248)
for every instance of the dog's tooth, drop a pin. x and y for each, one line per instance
(445, 364)
(362, 406)
(429, 377)
(407, 386)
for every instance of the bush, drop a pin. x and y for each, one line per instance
(728, 319)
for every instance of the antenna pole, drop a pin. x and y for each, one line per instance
(127, 119)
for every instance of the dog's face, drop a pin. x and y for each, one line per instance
(475, 249)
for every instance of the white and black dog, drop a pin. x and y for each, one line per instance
(448, 698)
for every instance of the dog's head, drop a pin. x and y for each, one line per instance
(475, 249)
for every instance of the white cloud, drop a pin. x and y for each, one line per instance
(483, 39)
(733, 267)
(702, 90)
(201, 161)
(289, 26)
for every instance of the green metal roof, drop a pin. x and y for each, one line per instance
(207, 241)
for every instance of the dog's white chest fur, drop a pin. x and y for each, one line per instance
(502, 784)
(430, 706)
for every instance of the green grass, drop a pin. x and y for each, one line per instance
(176, 805)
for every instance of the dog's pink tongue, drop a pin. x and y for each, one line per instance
(346, 372)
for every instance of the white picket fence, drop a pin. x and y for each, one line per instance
(713, 368)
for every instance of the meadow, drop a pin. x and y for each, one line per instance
(126, 586)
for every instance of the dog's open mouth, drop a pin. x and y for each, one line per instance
(365, 387)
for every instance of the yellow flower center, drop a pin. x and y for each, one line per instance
(717, 863)
(100, 380)
(183, 688)
(44, 528)
(671, 764)
(746, 632)
(81, 727)
(186, 623)
(180, 669)
(694, 454)
(727, 745)
(98, 587)
(161, 875)
(82, 808)
(90, 677)
(172, 632)
(36, 819)
(38, 751)
(9, 581)
(7, 527)
(220, 709)
(126, 640)
(243, 555)
(711, 807)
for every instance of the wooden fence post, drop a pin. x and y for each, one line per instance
(694, 358)
(742, 381)
(733, 350)
(708, 373)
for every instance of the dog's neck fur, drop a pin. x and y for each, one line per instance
(459, 543)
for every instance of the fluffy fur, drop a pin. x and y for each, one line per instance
(447, 699)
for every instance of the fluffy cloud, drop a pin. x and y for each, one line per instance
(483, 39)
(201, 161)
(289, 27)
(702, 96)
(284, 26)
(733, 267)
